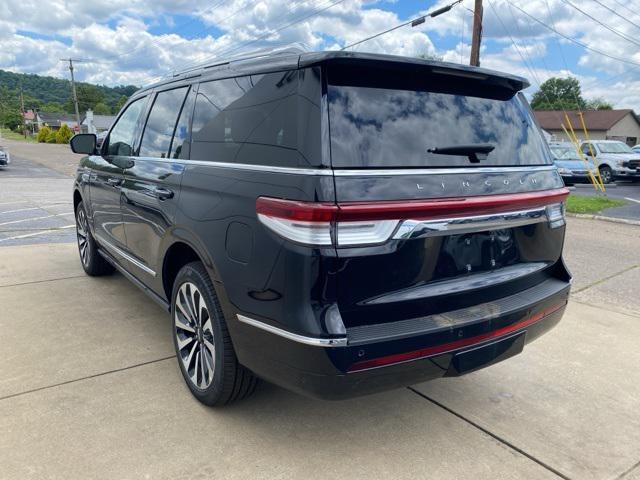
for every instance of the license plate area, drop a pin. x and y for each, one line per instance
(485, 355)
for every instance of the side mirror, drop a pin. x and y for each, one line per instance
(83, 143)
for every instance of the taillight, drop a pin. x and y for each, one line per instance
(372, 223)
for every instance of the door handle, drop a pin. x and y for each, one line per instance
(163, 193)
(114, 182)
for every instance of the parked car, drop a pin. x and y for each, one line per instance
(615, 159)
(5, 158)
(571, 167)
(336, 223)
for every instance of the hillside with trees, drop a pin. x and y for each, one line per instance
(54, 94)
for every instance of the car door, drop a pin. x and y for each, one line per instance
(152, 179)
(107, 177)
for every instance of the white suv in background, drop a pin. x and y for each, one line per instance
(615, 159)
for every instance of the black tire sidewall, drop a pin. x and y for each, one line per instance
(196, 274)
(609, 171)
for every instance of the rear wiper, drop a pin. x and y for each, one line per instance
(475, 151)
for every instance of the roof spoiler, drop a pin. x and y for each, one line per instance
(507, 81)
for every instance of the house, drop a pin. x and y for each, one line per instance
(97, 123)
(55, 120)
(621, 125)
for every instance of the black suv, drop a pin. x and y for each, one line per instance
(334, 223)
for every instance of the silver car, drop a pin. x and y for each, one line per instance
(5, 158)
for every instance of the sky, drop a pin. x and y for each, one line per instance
(140, 41)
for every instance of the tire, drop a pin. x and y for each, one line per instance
(92, 262)
(220, 379)
(606, 173)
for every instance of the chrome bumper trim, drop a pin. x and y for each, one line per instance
(314, 341)
(449, 226)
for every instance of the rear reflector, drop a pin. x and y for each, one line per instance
(455, 345)
(371, 223)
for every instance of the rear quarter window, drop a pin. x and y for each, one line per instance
(385, 127)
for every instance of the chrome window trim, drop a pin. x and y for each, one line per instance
(347, 172)
(438, 171)
(123, 254)
(410, 229)
(314, 341)
(257, 168)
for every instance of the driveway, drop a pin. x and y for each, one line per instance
(89, 388)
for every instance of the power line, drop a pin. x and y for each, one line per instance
(577, 42)
(612, 30)
(263, 36)
(415, 22)
(617, 14)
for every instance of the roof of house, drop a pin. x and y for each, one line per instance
(29, 115)
(593, 119)
(101, 122)
(54, 118)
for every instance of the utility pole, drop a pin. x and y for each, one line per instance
(24, 124)
(73, 88)
(477, 34)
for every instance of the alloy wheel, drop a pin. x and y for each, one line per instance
(194, 335)
(82, 232)
(606, 175)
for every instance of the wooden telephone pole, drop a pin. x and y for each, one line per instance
(477, 34)
(73, 88)
(24, 123)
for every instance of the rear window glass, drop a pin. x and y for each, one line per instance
(380, 127)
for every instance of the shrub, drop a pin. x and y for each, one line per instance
(51, 137)
(43, 133)
(64, 134)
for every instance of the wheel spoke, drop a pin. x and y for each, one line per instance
(183, 342)
(201, 357)
(182, 325)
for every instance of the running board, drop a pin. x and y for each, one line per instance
(153, 295)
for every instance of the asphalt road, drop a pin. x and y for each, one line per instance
(36, 205)
(627, 191)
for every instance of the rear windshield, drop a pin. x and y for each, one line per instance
(382, 127)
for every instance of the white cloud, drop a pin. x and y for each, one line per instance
(115, 36)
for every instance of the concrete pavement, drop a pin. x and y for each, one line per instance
(89, 388)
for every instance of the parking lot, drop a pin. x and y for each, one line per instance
(89, 386)
(626, 191)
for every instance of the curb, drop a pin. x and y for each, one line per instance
(604, 218)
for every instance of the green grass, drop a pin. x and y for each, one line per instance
(582, 204)
(10, 135)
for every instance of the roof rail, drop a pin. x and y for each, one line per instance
(290, 49)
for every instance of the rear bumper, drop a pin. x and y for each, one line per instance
(386, 356)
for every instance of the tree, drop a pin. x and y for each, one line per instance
(52, 107)
(120, 103)
(101, 109)
(11, 118)
(559, 94)
(598, 103)
(43, 134)
(88, 97)
(64, 134)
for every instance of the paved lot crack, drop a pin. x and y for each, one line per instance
(492, 435)
(43, 281)
(602, 280)
(628, 471)
(75, 380)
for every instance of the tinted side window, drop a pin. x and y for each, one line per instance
(161, 123)
(180, 143)
(247, 120)
(123, 133)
